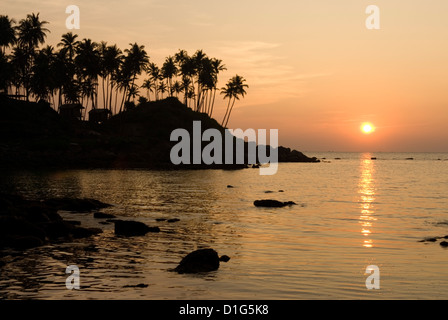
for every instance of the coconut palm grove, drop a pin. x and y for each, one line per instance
(98, 76)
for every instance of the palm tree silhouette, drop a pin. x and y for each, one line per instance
(169, 70)
(111, 62)
(88, 67)
(218, 66)
(154, 76)
(162, 88)
(232, 91)
(7, 33)
(42, 82)
(31, 33)
(135, 62)
(72, 73)
(69, 44)
(148, 85)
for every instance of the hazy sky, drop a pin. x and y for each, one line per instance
(315, 71)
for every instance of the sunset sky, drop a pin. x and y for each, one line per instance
(315, 72)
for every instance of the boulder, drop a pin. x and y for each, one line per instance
(272, 203)
(133, 228)
(444, 244)
(202, 260)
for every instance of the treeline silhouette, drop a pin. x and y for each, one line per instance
(90, 73)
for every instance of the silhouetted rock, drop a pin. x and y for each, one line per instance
(230, 186)
(140, 285)
(133, 228)
(224, 258)
(202, 260)
(288, 155)
(272, 203)
(26, 223)
(102, 215)
(430, 239)
(173, 220)
(444, 244)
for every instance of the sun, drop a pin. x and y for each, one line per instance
(367, 128)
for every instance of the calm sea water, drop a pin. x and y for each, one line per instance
(352, 212)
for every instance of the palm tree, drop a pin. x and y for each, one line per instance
(148, 85)
(198, 61)
(65, 65)
(7, 33)
(31, 33)
(88, 67)
(232, 91)
(186, 67)
(169, 70)
(186, 87)
(162, 88)
(69, 44)
(42, 83)
(135, 62)
(20, 63)
(6, 73)
(217, 68)
(112, 60)
(154, 75)
(177, 88)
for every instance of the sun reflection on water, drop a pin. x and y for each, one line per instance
(366, 190)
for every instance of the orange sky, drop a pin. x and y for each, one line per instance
(315, 72)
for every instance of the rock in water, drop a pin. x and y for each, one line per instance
(272, 203)
(224, 258)
(202, 260)
(444, 244)
(133, 228)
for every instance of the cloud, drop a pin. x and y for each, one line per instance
(270, 77)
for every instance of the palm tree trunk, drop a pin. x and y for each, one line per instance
(213, 102)
(228, 116)
(225, 115)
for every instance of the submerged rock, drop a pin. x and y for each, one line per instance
(272, 203)
(202, 260)
(133, 228)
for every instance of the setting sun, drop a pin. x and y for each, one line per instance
(367, 128)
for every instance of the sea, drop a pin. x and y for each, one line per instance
(355, 232)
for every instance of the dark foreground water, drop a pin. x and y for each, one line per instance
(352, 212)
